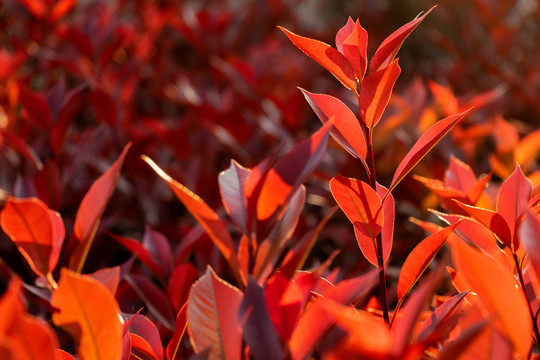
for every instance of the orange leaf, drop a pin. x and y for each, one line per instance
(209, 220)
(331, 59)
(375, 93)
(387, 51)
(500, 292)
(89, 312)
(420, 258)
(37, 231)
(355, 50)
(92, 208)
(363, 207)
(423, 145)
(347, 130)
(212, 315)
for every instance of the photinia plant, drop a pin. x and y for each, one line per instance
(250, 278)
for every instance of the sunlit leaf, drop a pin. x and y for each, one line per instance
(173, 351)
(514, 196)
(423, 145)
(89, 312)
(500, 291)
(375, 93)
(37, 231)
(355, 50)
(212, 314)
(387, 51)
(420, 258)
(347, 130)
(387, 231)
(209, 220)
(92, 208)
(343, 33)
(363, 207)
(331, 59)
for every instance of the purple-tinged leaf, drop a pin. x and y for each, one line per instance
(231, 186)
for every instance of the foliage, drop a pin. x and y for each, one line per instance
(301, 248)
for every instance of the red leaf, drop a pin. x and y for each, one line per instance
(212, 314)
(209, 220)
(89, 312)
(344, 33)
(290, 171)
(21, 147)
(140, 252)
(231, 186)
(104, 107)
(529, 234)
(155, 300)
(37, 231)
(146, 331)
(387, 231)
(315, 321)
(257, 328)
(420, 258)
(375, 93)
(295, 258)
(387, 51)
(331, 59)
(499, 290)
(110, 277)
(141, 347)
(423, 145)
(173, 348)
(37, 109)
(514, 196)
(355, 50)
(490, 219)
(347, 130)
(363, 207)
(182, 277)
(92, 208)
(159, 249)
(38, 8)
(438, 325)
(60, 9)
(284, 300)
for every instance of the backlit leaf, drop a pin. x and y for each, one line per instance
(423, 145)
(89, 312)
(290, 171)
(331, 59)
(209, 220)
(347, 130)
(387, 51)
(343, 33)
(92, 208)
(173, 351)
(37, 231)
(420, 258)
(514, 196)
(363, 207)
(499, 290)
(375, 93)
(387, 231)
(212, 314)
(355, 50)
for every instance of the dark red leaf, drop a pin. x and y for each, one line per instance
(140, 252)
(257, 328)
(37, 109)
(159, 249)
(147, 331)
(182, 277)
